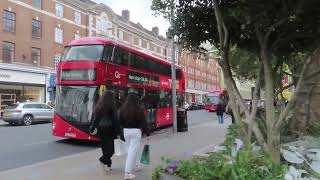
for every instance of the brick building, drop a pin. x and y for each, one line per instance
(33, 32)
(32, 36)
(201, 75)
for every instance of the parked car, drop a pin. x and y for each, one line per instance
(193, 106)
(27, 113)
(186, 105)
(200, 105)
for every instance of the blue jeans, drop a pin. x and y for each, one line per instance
(220, 118)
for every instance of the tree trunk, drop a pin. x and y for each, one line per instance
(233, 99)
(273, 143)
(273, 135)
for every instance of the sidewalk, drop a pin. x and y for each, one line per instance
(85, 166)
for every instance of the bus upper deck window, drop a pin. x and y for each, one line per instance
(108, 51)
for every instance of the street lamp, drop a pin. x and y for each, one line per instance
(170, 36)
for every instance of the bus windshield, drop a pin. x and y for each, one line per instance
(75, 103)
(83, 53)
(213, 99)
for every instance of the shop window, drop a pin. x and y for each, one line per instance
(9, 21)
(33, 93)
(36, 29)
(8, 49)
(36, 56)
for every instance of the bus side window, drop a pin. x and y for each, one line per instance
(121, 57)
(140, 63)
(165, 99)
(107, 54)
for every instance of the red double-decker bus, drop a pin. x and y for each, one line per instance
(213, 97)
(90, 66)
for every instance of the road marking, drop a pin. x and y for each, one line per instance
(37, 143)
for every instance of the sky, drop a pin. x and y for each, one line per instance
(140, 11)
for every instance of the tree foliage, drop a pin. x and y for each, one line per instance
(265, 37)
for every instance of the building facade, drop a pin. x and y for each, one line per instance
(201, 75)
(33, 34)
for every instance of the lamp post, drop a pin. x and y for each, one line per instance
(170, 36)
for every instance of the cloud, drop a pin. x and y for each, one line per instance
(139, 12)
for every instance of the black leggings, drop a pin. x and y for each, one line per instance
(107, 146)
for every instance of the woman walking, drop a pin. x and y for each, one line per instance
(133, 120)
(220, 110)
(105, 122)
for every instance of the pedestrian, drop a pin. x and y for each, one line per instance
(230, 112)
(133, 120)
(220, 110)
(106, 125)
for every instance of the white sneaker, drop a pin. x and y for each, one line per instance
(105, 168)
(129, 176)
(137, 169)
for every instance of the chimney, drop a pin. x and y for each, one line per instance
(155, 30)
(126, 15)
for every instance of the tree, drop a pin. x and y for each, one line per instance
(273, 31)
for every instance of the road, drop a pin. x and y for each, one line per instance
(26, 145)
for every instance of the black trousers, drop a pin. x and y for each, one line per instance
(107, 145)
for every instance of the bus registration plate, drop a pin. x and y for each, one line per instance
(70, 135)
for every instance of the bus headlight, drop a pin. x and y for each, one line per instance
(53, 125)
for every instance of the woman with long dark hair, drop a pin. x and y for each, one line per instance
(105, 122)
(133, 120)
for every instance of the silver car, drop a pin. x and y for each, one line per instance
(27, 113)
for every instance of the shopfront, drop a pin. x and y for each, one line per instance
(196, 96)
(21, 86)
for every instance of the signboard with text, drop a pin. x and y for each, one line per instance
(143, 79)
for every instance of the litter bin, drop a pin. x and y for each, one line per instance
(182, 120)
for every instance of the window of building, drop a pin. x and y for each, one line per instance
(9, 21)
(8, 52)
(36, 29)
(77, 36)
(36, 56)
(120, 34)
(77, 17)
(58, 35)
(56, 59)
(59, 10)
(148, 45)
(140, 42)
(37, 3)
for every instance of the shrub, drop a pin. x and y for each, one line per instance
(247, 165)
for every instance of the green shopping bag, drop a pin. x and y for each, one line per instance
(145, 157)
